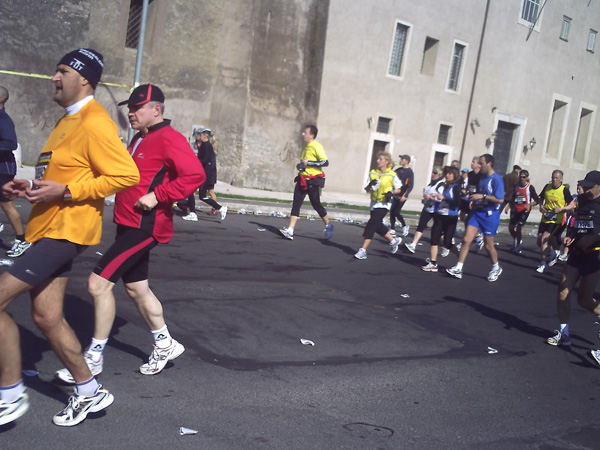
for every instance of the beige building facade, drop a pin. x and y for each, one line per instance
(446, 80)
(438, 80)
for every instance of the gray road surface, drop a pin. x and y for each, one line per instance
(386, 372)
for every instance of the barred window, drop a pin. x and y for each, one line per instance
(444, 134)
(455, 66)
(530, 10)
(384, 125)
(400, 37)
(134, 23)
(591, 41)
(564, 31)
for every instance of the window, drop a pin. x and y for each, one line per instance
(455, 66)
(558, 125)
(530, 10)
(383, 125)
(429, 56)
(398, 48)
(564, 32)
(444, 134)
(591, 41)
(134, 23)
(582, 143)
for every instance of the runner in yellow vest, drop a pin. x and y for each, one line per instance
(555, 200)
(383, 183)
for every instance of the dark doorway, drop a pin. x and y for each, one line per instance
(439, 160)
(378, 146)
(503, 145)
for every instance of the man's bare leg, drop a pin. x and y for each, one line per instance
(47, 313)
(10, 348)
(147, 304)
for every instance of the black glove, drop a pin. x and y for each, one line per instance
(301, 167)
(388, 196)
(371, 184)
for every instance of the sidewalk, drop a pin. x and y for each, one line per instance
(274, 198)
(336, 213)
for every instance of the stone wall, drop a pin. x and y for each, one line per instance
(249, 70)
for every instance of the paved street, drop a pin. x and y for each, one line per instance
(387, 370)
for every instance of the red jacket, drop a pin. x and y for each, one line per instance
(169, 168)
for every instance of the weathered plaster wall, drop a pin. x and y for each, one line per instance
(249, 70)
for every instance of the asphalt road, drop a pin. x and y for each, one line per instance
(387, 371)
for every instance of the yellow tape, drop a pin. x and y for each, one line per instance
(47, 77)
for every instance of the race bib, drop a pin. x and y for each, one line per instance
(472, 189)
(41, 165)
(584, 225)
(549, 216)
(481, 203)
(520, 200)
(444, 208)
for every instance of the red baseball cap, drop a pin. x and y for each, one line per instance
(143, 94)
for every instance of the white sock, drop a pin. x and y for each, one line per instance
(97, 346)
(564, 329)
(87, 388)
(9, 394)
(459, 265)
(162, 338)
(495, 266)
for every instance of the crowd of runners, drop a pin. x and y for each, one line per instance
(84, 161)
(569, 229)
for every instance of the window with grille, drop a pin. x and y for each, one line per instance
(530, 10)
(398, 49)
(134, 23)
(444, 134)
(564, 31)
(384, 125)
(591, 41)
(455, 66)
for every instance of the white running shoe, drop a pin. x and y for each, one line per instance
(405, 230)
(429, 267)
(191, 216)
(1, 227)
(563, 257)
(160, 357)
(223, 212)
(328, 232)
(455, 272)
(10, 412)
(19, 247)
(559, 339)
(287, 233)
(553, 258)
(361, 254)
(80, 406)
(410, 247)
(394, 244)
(541, 268)
(393, 232)
(494, 274)
(595, 354)
(480, 244)
(95, 367)
(444, 252)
